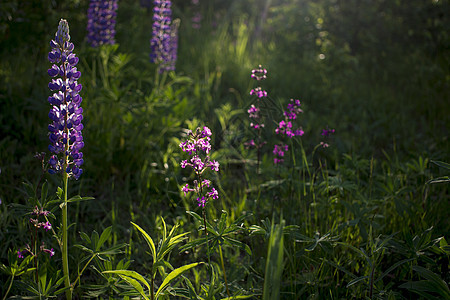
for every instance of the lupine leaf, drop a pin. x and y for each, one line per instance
(104, 237)
(135, 284)
(133, 275)
(397, 264)
(149, 241)
(172, 275)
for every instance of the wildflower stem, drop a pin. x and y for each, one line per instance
(223, 270)
(206, 234)
(152, 284)
(64, 250)
(79, 274)
(35, 254)
(9, 287)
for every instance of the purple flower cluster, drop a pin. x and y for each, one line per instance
(197, 144)
(326, 133)
(66, 113)
(101, 25)
(38, 224)
(285, 127)
(35, 220)
(27, 250)
(164, 42)
(278, 152)
(254, 111)
(259, 73)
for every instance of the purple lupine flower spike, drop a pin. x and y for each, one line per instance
(101, 26)
(66, 113)
(164, 41)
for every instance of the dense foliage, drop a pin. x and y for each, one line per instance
(355, 205)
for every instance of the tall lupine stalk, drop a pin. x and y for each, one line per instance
(257, 123)
(101, 26)
(65, 130)
(164, 41)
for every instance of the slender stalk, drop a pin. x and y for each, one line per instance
(9, 287)
(223, 270)
(79, 274)
(64, 250)
(35, 254)
(152, 292)
(199, 178)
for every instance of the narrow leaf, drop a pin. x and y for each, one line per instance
(174, 274)
(149, 241)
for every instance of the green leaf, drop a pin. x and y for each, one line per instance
(104, 237)
(149, 241)
(174, 274)
(356, 280)
(396, 265)
(441, 164)
(239, 244)
(78, 198)
(274, 263)
(195, 215)
(439, 180)
(239, 297)
(44, 191)
(135, 284)
(133, 275)
(193, 244)
(113, 250)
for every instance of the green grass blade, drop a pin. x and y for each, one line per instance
(274, 263)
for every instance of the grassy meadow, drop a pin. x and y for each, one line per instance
(365, 216)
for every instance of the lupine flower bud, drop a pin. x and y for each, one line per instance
(62, 35)
(101, 24)
(66, 115)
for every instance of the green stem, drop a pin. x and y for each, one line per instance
(152, 292)
(223, 270)
(79, 274)
(9, 287)
(64, 250)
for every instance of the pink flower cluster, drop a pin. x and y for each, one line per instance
(197, 144)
